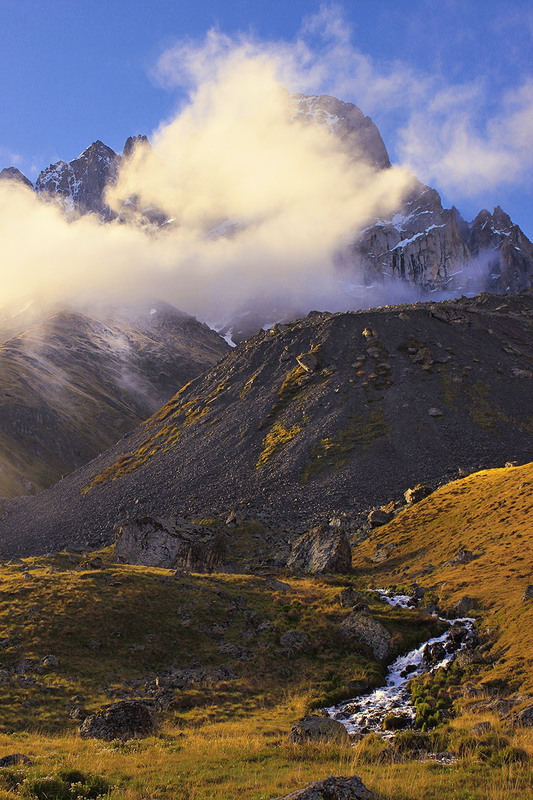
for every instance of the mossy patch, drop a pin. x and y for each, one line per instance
(334, 452)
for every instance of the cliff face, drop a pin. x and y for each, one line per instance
(435, 249)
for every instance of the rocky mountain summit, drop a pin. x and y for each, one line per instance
(73, 383)
(81, 183)
(422, 245)
(332, 412)
(345, 121)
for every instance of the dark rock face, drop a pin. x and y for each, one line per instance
(170, 544)
(127, 719)
(321, 550)
(434, 248)
(81, 183)
(14, 174)
(313, 728)
(132, 142)
(332, 789)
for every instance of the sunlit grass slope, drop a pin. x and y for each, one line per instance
(490, 514)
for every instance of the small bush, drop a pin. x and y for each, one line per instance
(67, 785)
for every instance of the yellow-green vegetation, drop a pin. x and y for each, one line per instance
(221, 736)
(277, 437)
(164, 429)
(333, 452)
(490, 514)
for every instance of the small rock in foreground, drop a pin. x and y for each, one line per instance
(14, 758)
(332, 789)
(417, 493)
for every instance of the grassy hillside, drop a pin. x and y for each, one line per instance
(115, 629)
(490, 514)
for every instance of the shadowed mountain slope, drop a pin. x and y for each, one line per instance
(330, 412)
(71, 385)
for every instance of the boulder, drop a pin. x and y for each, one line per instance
(362, 627)
(13, 759)
(321, 550)
(469, 656)
(348, 598)
(308, 362)
(293, 642)
(127, 719)
(463, 606)
(463, 557)
(313, 728)
(332, 789)
(528, 593)
(481, 728)
(417, 493)
(378, 517)
(525, 717)
(170, 544)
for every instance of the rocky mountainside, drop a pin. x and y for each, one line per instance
(435, 249)
(72, 384)
(332, 412)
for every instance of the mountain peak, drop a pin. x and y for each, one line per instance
(14, 174)
(132, 142)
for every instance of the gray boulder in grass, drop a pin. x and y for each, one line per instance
(332, 789)
(127, 719)
(314, 728)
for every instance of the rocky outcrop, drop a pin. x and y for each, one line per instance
(332, 789)
(528, 593)
(434, 248)
(379, 516)
(323, 549)
(314, 728)
(170, 544)
(127, 719)
(363, 628)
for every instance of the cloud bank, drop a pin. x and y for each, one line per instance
(257, 203)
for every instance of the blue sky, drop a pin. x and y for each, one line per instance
(449, 84)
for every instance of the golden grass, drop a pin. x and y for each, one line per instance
(489, 513)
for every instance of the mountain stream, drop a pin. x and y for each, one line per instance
(366, 713)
